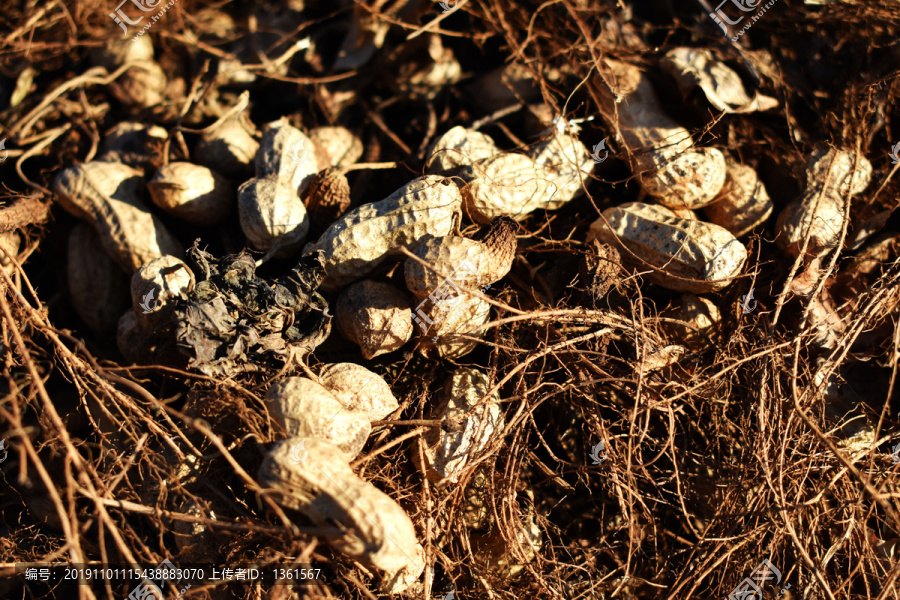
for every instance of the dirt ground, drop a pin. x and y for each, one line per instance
(655, 444)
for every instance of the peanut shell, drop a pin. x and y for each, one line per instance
(705, 253)
(743, 204)
(305, 408)
(376, 316)
(193, 193)
(272, 216)
(107, 195)
(378, 532)
(449, 449)
(342, 147)
(155, 286)
(459, 147)
(366, 236)
(446, 328)
(359, 389)
(97, 286)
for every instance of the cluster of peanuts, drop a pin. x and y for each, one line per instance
(292, 176)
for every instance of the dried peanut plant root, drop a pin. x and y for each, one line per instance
(494, 300)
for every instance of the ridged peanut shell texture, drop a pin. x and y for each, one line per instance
(819, 216)
(107, 195)
(705, 253)
(448, 450)
(743, 203)
(446, 329)
(374, 315)
(831, 168)
(360, 389)
(378, 532)
(342, 146)
(272, 216)
(229, 149)
(156, 285)
(510, 185)
(97, 286)
(305, 408)
(288, 155)
(457, 148)
(362, 239)
(192, 193)
(677, 175)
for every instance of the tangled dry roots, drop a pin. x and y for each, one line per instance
(741, 450)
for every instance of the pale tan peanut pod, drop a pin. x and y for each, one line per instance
(685, 213)
(446, 327)
(463, 262)
(362, 239)
(375, 316)
(132, 137)
(107, 195)
(458, 148)
(272, 216)
(360, 389)
(10, 241)
(342, 147)
(819, 212)
(130, 338)
(118, 50)
(287, 155)
(819, 216)
(706, 254)
(441, 71)
(230, 148)
(507, 558)
(155, 286)
(141, 86)
(564, 161)
(378, 532)
(743, 204)
(192, 193)
(97, 286)
(661, 150)
(507, 184)
(696, 316)
(305, 408)
(467, 432)
(834, 169)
